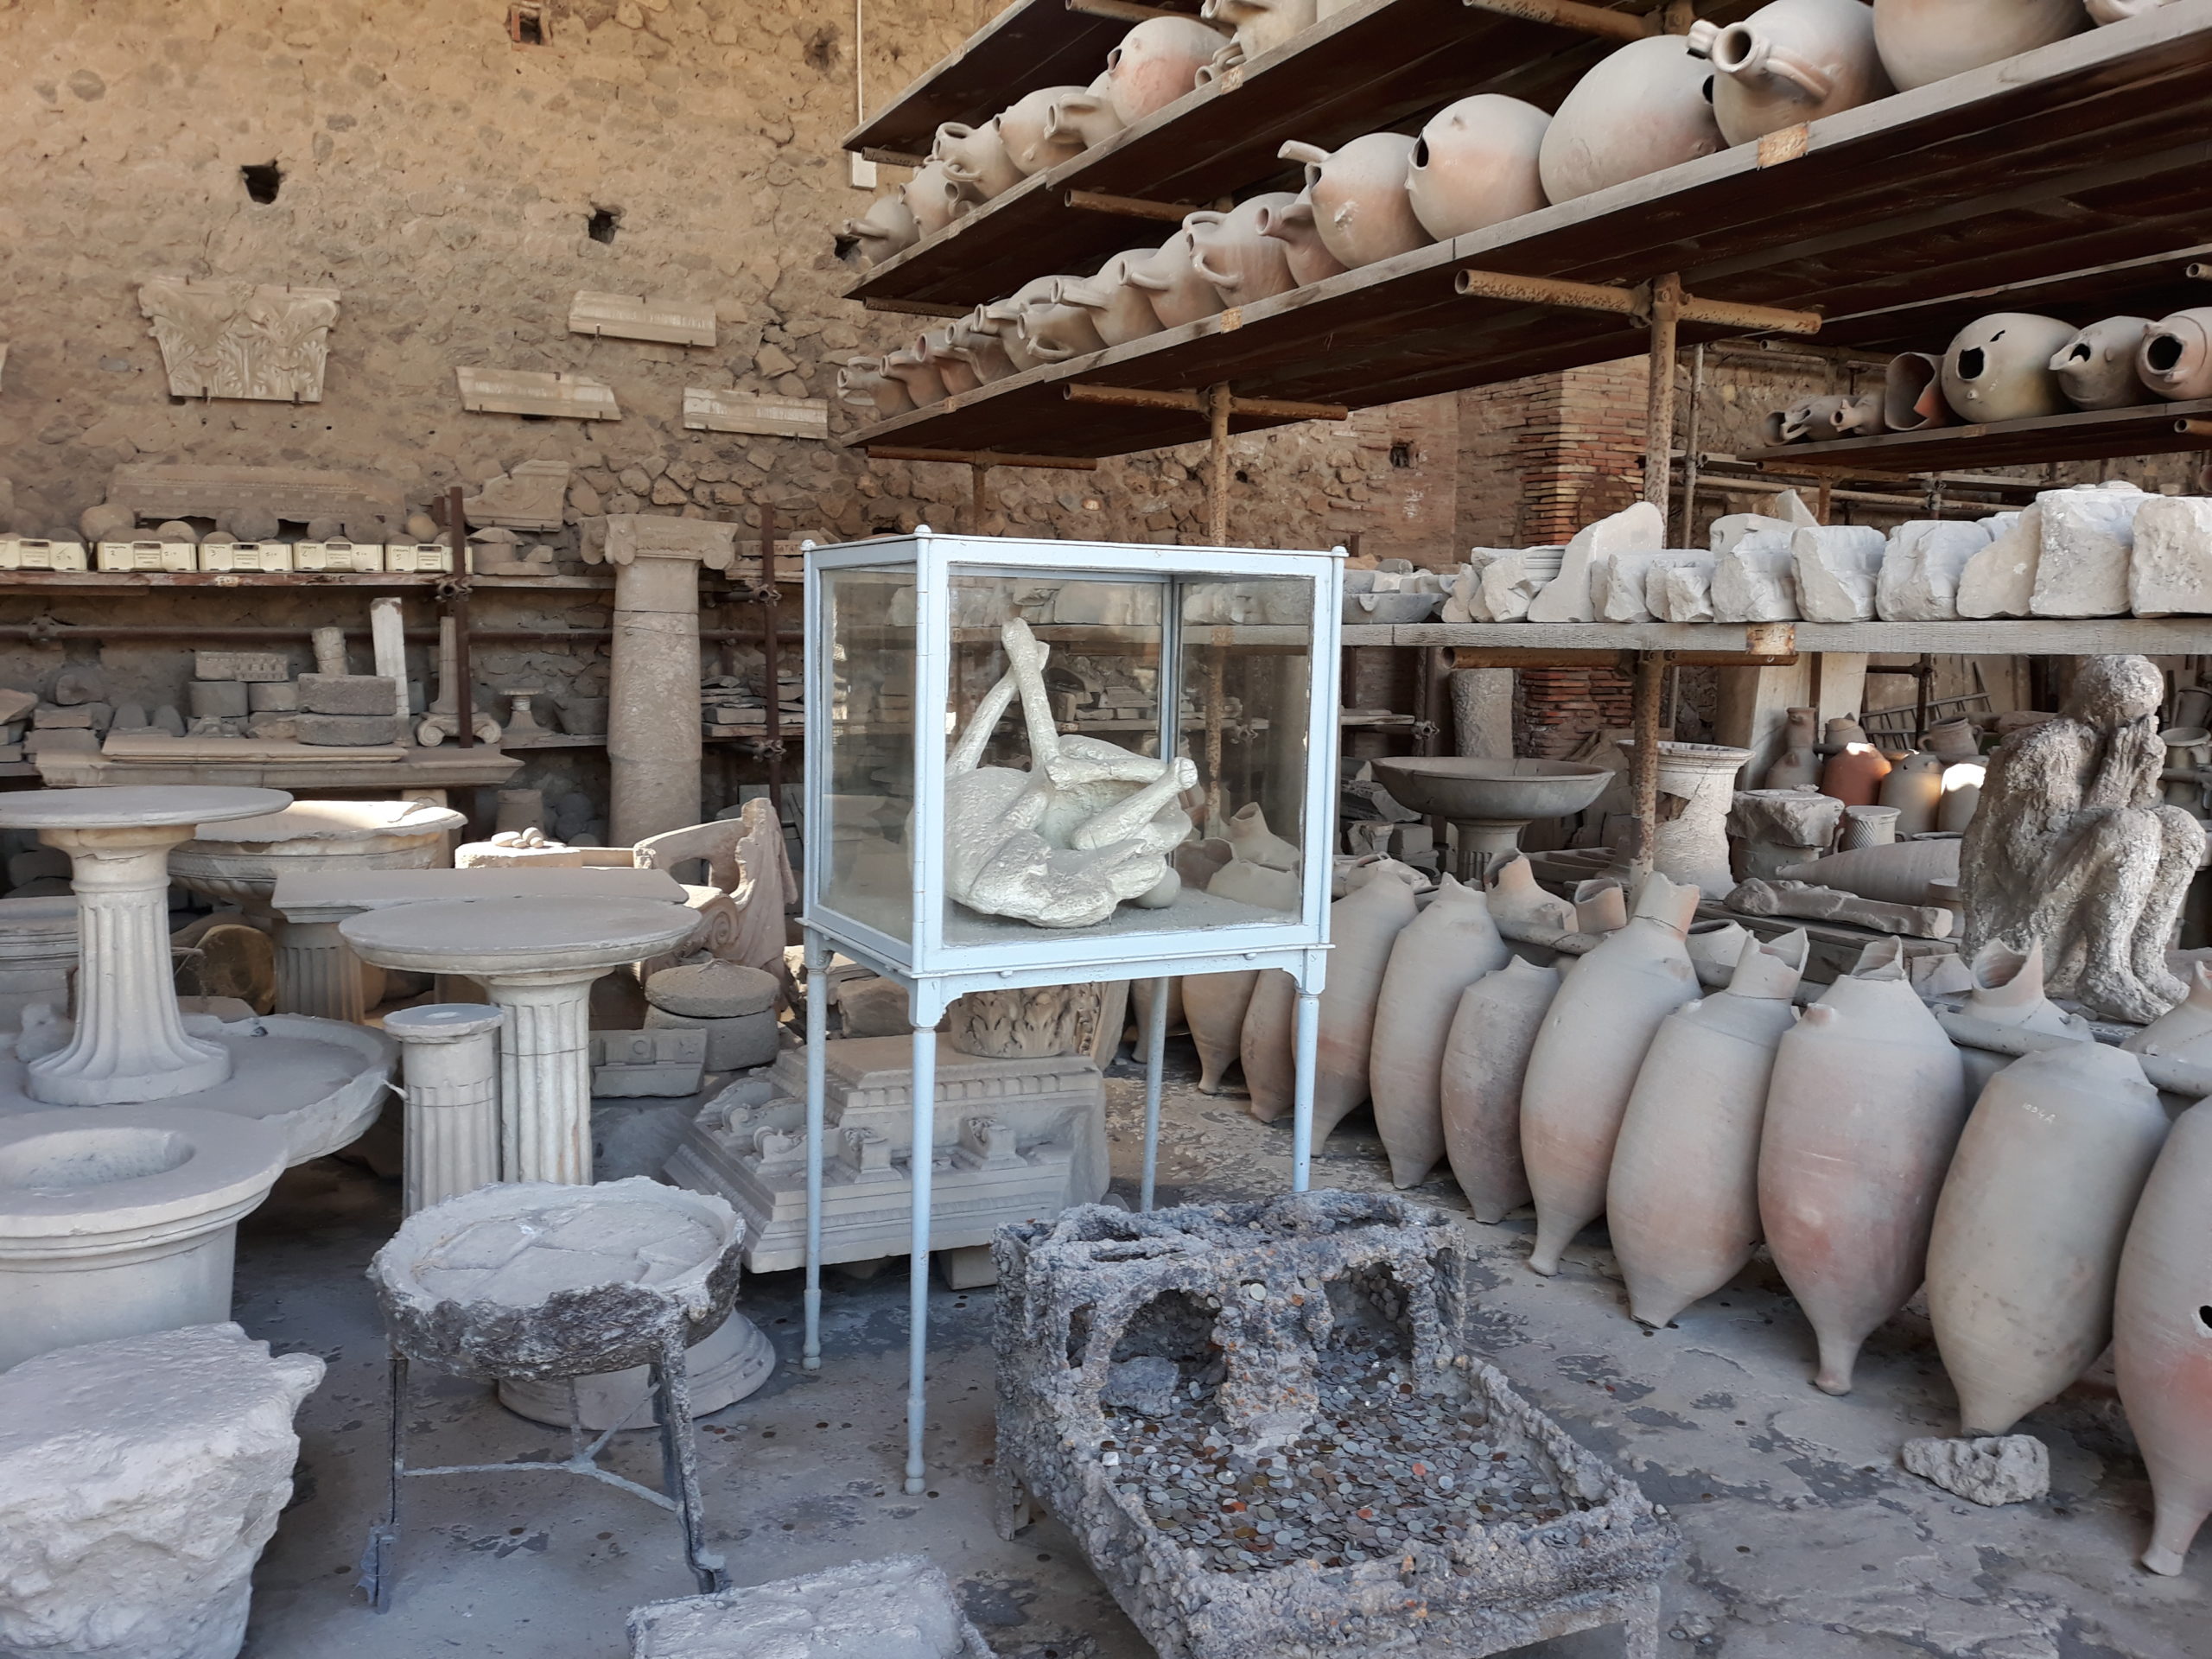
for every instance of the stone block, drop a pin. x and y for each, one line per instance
(1992, 1469)
(899, 1608)
(272, 697)
(1755, 580)
(1999, 578)
(276, 725)
(1637, 529)
(15, 705)
(2170, 573)
(2089, 541)
(346, 694)
(873, 1007)
(1678, 587)
(52, 718)
(215, 699)
(139, 1480)
(1511, 582)
(628, 1063)
(258, 666)
(1919, 580)
(1837, 567)
(1809, 903)
(75, 741)
(712, 990)
(349, 731)
(737, 1044)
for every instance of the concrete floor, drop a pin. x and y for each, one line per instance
(1803, 1538)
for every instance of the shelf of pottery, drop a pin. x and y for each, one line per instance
(1602, 164)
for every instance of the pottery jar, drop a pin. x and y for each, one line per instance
(862, 384)
(1962, 781)
(1600, 906)
(1474, 165)
(1230, 251)
(1255, 884)
(1479, 1080)
(2162, 1336)
(1854, 774)
(1358, 194)
(1055, 329)
(1923, 41)
(1791, 61)
(1252, 841)
(1156, 63)
(1913, 393)
(1006, 317)
(2189, 748)
(1998, 368)
(2028, 1233)
(934, 347)
(1915, 787)
(1214, 1006)
(1691, 840)
(1261, 26)
(1897, 874)
(923, 383)
(1363, 925)
(976, 158)
(1021, 129)
(886, 229)
(2096, 368)
(1081, 119)
(1682, 1197)
(2184, 1031)
(935, 197)
(1120, 310)
(976, 344)
(1517, 904)
(1584, 1065)
(1798, 766)
(1643, 108)
(1868, 826)
(1955, 739)
(1439, 954)
(2175, 360)
(1179, 293)
(1866, 1102)
(1264, 1045)
(1293, 226)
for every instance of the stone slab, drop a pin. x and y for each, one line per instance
(2088, 539)
(631, 317)
(346, 694)
(2171, 571)
(901, 1608)
(348, 731)
(525, 392)
(669, 1061)
(315, 894)
(707, 409)
(266, 667)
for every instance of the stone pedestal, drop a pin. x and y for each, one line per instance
(654, 742)
(451, 1069)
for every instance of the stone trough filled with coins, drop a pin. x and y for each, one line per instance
(1258, 1422)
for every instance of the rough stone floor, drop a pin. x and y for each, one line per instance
(1805, 1540)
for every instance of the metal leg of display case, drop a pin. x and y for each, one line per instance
(1156, 1058)
(919, 1160)
(818, 1018)
(1304, 1051)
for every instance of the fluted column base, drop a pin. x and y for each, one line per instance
(317, 973)
(544, 1073)
(450, 1064)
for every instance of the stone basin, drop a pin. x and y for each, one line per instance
(1487, 801)
(242, 860)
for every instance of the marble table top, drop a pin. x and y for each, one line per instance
(299, 891)
(131, 807)
(488, 936)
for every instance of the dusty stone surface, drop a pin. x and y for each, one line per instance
(1755, 579)
(712, 990)
(1570, 597)
(2089, 538)
(2000, 577)
(1919, 580)
(1990, 1471)
(2171, 571)
(139, 1480)
(1837, 567)
(902, 1608)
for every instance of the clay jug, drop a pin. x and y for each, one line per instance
(1798, 766)
(1478, 1084)
(1682, 1198)
(2096, 368)
(1080, 119)
(975, 159)
(1643, 108)
(1791, 61)
(1263, 1046)
(2175, 360)
(1261, 26)
(1600, 906)
(1230, 252)
(1358, 194)
(935, 197)
(1962, 781)
(1915, 787)
(862, 384)
(1177, 292)
(1006, 316)
(1214, 1006)
(1362, 926)
(1293, 226)
(934, 347)
(1474, 165)
(2029, 1228)
(2162, 1336)
(1998, 367)
(1897, 874)
(1913, 393)
(1021, 129)
(2184, 1031)
(1866, 1103)
(1519, 906)
(1255, 884)
(1853, 772)
(1251, 842)
(976, 344)
(1445, 949)
(2007, 989)
(1055, 329)
(1586, 1057)
(1923, 41)
(1120, 310)
(886, 229)
(1156, 63)
(919, 376)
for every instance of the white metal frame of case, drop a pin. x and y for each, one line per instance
(935, 974)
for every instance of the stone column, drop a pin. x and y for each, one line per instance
(652, 722)
(317, 973)
(451, 1066)
(129, 1043)
(544, 1073)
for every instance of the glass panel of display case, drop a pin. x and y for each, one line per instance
(867, 867)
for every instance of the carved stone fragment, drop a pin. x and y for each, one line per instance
(237, 339)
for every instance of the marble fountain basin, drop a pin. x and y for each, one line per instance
(241, 861)
(1463, 788)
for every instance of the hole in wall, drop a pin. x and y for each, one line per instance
(1243, 477)
(822, 50)
(262, 179)
(1401, 454)
(603, 223)
(526, 23)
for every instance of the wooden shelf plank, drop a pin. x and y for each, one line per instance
(2082, 434)
(30, 581)
(2098, 140)
(2163, 636)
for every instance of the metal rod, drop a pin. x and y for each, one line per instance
(818, 1024)
(1199, 402)
(1305, 1047)
(1217, 402)
(1167, 212)
(980, 458)
(1659, 395)
(919, 1163)
(1155, 1060)
(464, 724)
(1690, 452)
(771, 666)
(1631, 302)
(1644, 774)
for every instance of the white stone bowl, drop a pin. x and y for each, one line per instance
(242, 861)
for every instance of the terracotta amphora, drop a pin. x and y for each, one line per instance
(2007, 989)
(1264, 1045)
(1082, 118)
(1364, 925)
(1214, 1006)
(1643, 108)
(2162, 1336)
(2096, 368)
(975, 343)
(1600, 906)
(1251, 842)
(1998, 367)
(1056, 329)
(934, 347)
(1925, 41)
(1682, 1198)
(1021, 129)
(1445, 949)
(1866, 1102)
(2028, 1231)
(1120, 310)
(2184, 1031)
(1180, 294)
(1474, 165)
(1006, 316)
(1897, 874)
(936, 197)
(1261, 26)
(1156, 63)
(886, 229)
(1293, 226)
(1913, 393)
(1915, 787)
(2175, 360)
(976, 158)
(1791, 61)
(1230, 251)
(1798, 766)
(862, 384)
(1479, 1094)
(922, 382)
(1853, 775)
(1358, 192)
(1516, 903)
(1257, 884)
(1586, 1059)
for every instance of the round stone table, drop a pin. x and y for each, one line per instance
(537, 960)
(129, 1045)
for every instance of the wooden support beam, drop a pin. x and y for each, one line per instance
(1196, 402)
(1121, 12)
(915, 307)
(1632, 301)
(1093, 202)
(891, 157)
(981, 458)
(1659, 394)
(1573, 14)
(1217, 405)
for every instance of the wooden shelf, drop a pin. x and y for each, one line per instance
(2095, 144)
(119, 582)
(1377, 64)
(2165, 636)
(2083, 434)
